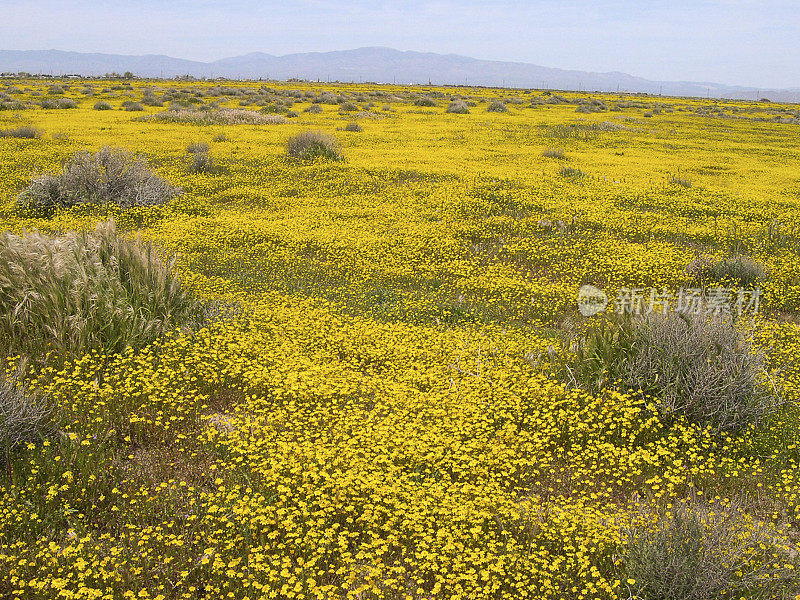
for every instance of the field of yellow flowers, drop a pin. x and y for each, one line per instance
(377, 415)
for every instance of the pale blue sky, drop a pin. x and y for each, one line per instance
(745, 42)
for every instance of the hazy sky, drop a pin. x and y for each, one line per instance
(745, 42)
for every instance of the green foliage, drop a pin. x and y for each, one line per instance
(571, 172)
(739, 269)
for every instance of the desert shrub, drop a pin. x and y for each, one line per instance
(197, 147)
(24, 416)
(55, 89)
(348, 107)
(23, 131)
(152, 100)
(222, 116)
(292, 115)
(220, 137)
(203, 162)
(704, 551)
(425, 101)
(458, 107)
(557, 153)
(700, 270)
(497, 106)
(739, 269)
(312, 145)
(107, 176)
(131, 106)
(314, 109)
(86, 291)
(703, 369)
(48, 103)
(353, 126)
(386, 107)
(571, 172)
(66, 103)
(680, 181)
(102, 105)
(15, 105)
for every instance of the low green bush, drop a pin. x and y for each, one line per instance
(108, 176)
(311, 145)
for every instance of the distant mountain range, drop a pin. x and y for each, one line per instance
(381, 65)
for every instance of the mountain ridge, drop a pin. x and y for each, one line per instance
(376, 64)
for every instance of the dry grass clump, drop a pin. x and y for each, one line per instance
(312, 145)
(23, 132)
(196, 147)
(497, 106)
(557, 153)
(102, 105)
(704, 551)
(108, 176)
(353, 127)
(458, 107)
(86, 291)
(203, 162)
(739, 269)
(24, 416)
(703, 369)
(222, 116)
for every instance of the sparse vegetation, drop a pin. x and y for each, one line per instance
(312, 145)
(23, 132)
(103, 177)
(701, 368)
(458, 107)
(707, 551)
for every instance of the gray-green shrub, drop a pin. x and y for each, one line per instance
(702, 368)
(110, 175)
(739, 269)
(458, 107)
(700, 551)
(23, 131)
(24, 416)
(311, 145)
